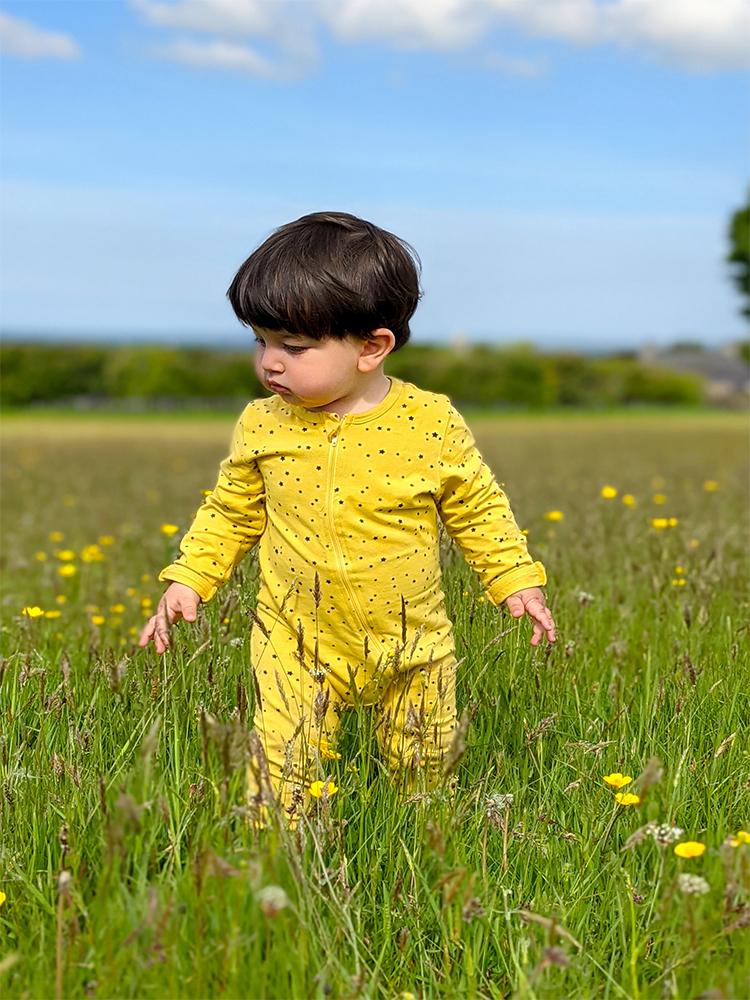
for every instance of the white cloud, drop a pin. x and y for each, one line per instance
(440, 24)
(698, 34)
(225, 55)
(701, 34)
(22, 38)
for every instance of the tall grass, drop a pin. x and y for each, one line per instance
(126, 857)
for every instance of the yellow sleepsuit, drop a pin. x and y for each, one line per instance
(345, 513)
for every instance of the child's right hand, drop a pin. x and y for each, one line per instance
(178, 601)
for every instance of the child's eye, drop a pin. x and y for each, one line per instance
(292, 349)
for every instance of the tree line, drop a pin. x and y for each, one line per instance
(481, 375)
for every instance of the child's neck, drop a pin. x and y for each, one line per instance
(368, 392)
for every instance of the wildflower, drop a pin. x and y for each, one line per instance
(65, 555)
(693, 543)
(61, 599)
(617, 780)
(664, 522)
(664, 834)
(659, 498)
(98, 619)
(117, 609)
(628, 798)
(145, 578)
(608, 492)
(554, 515)
(710, 486)
(272, 900)
(106, 540)
(323, 789)
(689, 849)
(131, 592)
(54, 613)
(146, 602)
(496, 805)
(34, 611)
(692, 885)
(169, 529)
(40, 556)
(68, 569)
(679, 570)
(741, 837)
(629, 500)
(3, 897)
(584, 598)
(56, 536)
(679, 581)
(92, 553)
(325, 749)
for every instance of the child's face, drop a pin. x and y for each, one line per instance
(310, 372)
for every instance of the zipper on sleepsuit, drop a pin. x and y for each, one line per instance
(337, 545)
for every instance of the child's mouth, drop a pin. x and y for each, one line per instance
(276, 387)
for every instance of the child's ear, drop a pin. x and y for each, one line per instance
(375, 350)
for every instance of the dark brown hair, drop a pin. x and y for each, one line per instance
(329, 274)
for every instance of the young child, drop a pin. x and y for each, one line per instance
(340, 477)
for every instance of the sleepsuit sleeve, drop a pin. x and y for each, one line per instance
(226, 525)
(477, 516)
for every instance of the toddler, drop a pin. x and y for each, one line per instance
(340, 477)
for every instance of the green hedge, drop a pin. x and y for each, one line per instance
(480, 375)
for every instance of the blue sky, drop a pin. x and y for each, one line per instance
(565, 168)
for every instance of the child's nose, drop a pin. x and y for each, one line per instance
(272, 360)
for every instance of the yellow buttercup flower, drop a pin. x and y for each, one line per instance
(679, 570)
(617, 780)
(690, 849)
(628, 798)
(664, 522)
(106, 539)
(54, 613)
(659, 498)
(117, 609)
(40, 556)
(554, 515)
(326, 751)
(67, 569)
(92, 553)
(320, 788)
(169, 529)
(98, 619)
(61, 599)
(608, 492)
(55, 536)
(65, 555)
(33, 611)
(629, 500)
(741, 837)
(3, 897)
(710, 486)
(679, 581)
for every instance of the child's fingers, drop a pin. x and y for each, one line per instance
(515, 606)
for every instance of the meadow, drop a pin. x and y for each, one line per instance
(590, 838)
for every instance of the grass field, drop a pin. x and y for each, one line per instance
(127, 867)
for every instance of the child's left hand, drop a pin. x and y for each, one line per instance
(531, 602)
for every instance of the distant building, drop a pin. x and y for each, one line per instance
(725, 373)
